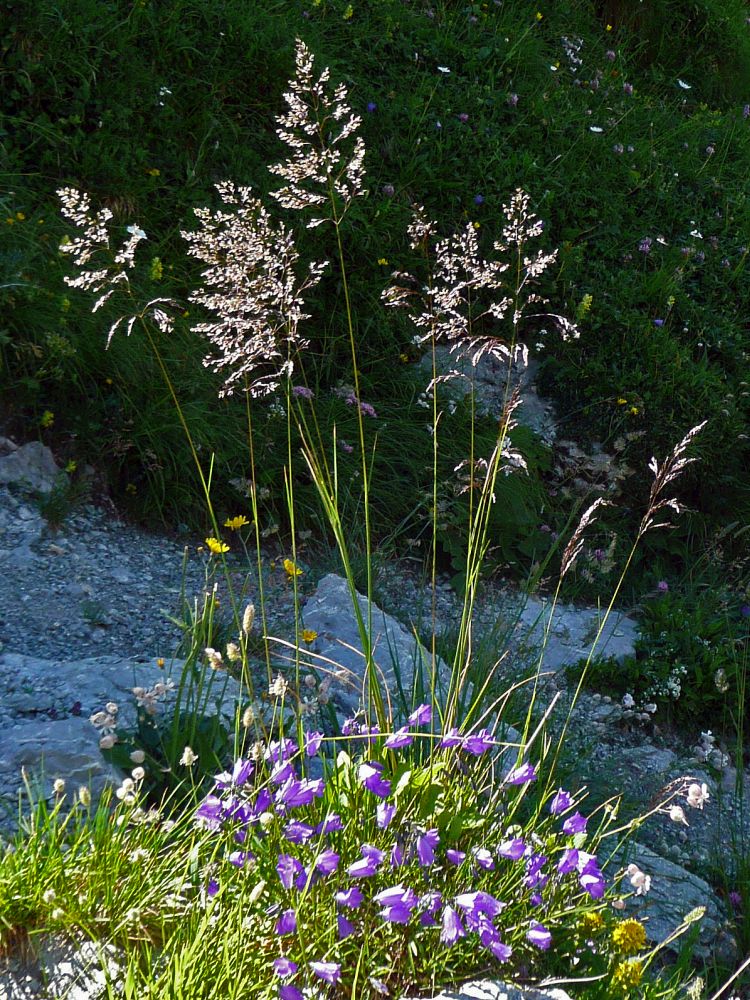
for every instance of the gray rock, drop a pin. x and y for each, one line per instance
(55, 968)
(32, 465)
(571, 634)
(485, 989)
(674, 893)
(399, 656)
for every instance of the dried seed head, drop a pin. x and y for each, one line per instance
(248, 618)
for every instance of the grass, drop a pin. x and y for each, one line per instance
(181, 868)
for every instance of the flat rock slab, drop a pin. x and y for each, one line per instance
(485, 989)
(398, 654)
(567, 633)
(59, 969)
(674, 893)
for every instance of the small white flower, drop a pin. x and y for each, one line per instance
(685, 86)
(138, 756)
(443, 69)
(112, 707)
(84, 796)
(595, 128)
(697, 795)
(137, 232)
(188, 757)
(49, 895)
(278, 688)
(138, 774)
(628, 701)
(639, 880)
(677, 815)
(618, 904)
(59, 786)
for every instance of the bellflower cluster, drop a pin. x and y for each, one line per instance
(359, 847)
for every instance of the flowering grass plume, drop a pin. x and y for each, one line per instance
(103, 281)
(252, 288)
(317, 128)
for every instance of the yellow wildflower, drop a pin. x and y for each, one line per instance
(634, 411)
(236, 522)
(153, 171)
(592, 922)
(291, 569)
(216, 546)
(157, 269)
(20, 216)
(627, 975)
(10, 221)
(160, 663)
(349, 12)
(622, 402)
(71, 467)
(309, 635)
(404, 359)
(609, 27)
(383, 261)
(629, 936)
(539, 15)
(131, 488)
(47, 419)
(477, 225)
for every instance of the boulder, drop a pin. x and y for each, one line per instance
(485, 989)
(398, 654)
(32, 465)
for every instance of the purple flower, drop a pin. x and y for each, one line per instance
(430, 903)
(289, 992)
(560, 802)
(502, 952)
(451, 738)
(735, 898)
(330, 824)
(389, 190)
(397, 856)
(513, 849)
(327, 862)
(746, 111)
(345, 927)
(240, 773)
(455, 857)
(421, 716)
(463, 118)
(287, 923)
(399, 739)
(397, 903)
(330, 972)
(284, 967)
(663, 587)
(294, 793)
(658, 322)
(426, 844)
(618, 148)
(568, 862)
(213, 887)
(483, 858)
(368, 864)
(452, 929)
(479, 199)
(745, 610)
(512, 100)
(575, 824)
(280, 750)
(384, 814)
(590, 878)
(238, 858)
(480, 902)
(479, 743)
(645, 244)
(302, 391)
(372, 106)
(538, 935)
(710, 150)
(312, 743)
(289, 869)
(610, 55)
(370, 775)
(627, 88)
(298, 833)
(352, 898)
(521, 775)
(282, 772)
(210, 813)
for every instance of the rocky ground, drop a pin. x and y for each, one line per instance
(85, 615)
